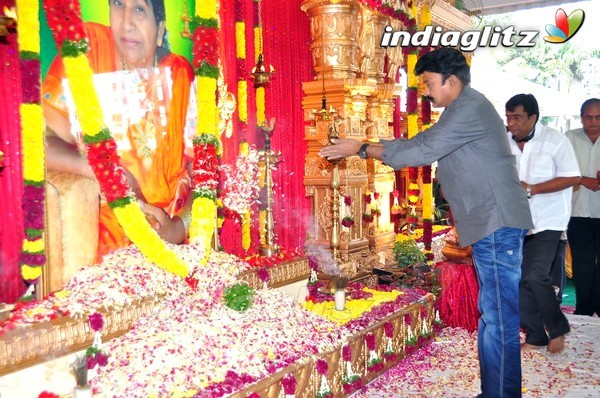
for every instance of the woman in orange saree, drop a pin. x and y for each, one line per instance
(153, 149)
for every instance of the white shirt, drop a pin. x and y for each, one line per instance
(547, 155)
(586, 203)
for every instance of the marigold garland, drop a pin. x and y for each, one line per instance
(240, 48)
(102, 149)
(33, 256)
(207, 143)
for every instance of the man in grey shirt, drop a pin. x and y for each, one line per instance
(480, 182)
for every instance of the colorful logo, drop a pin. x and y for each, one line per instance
(565, 27)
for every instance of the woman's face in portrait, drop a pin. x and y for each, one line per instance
(135, 32)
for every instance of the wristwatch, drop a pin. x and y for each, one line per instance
(362, 152)
(528, 191)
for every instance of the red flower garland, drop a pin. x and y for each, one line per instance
(205, 47)
(64, 19)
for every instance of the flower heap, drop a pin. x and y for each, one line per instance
(207, 143)
(64, 19)
(32, 136)
(96, 354)
(351, 381)
(289, 385)
(425, 20)
(348, 220)
(324, 389)
(375, 363)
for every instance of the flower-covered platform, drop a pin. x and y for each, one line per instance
(184, 341)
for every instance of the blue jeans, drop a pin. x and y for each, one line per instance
(497, 259)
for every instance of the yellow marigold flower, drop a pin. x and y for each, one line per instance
(240, 40)
(206, 9)
(31, 272)
(29, 26)
(35, 246)
(243, 101)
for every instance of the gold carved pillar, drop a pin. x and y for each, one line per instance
(334, 29)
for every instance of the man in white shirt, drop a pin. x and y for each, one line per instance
(548, 170)
(584, 226)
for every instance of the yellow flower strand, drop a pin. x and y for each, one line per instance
(32, 127)
(202, 225)
(204, 210)
(29, 26)
(240, 39)
(206, 9)
(260, 106)
(243, 101)
(207, 100)
(81, 84)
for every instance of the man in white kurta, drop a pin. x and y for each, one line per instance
(584, 227)
(548, 169)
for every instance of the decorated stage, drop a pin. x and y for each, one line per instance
(165, 336)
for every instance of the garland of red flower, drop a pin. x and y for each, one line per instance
(32, 126)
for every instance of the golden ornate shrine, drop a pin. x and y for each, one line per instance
(356, 76)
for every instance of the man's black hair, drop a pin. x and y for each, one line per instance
(529, 103)
(445, 61)
(588, 102)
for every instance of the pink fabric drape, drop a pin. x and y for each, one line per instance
(11, 177)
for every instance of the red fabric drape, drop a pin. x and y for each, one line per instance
(11, 177)
(286, 34)
(230, 234)
(458, 301)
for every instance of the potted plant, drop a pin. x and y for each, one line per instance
(407, 252)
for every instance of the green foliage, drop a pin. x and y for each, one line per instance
(546, 61)
(407, 252)
(238, 297)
